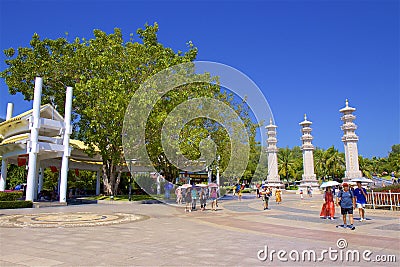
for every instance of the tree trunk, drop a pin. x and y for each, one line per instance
(106, 184)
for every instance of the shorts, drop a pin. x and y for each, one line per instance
(360, 206)
(345, 211)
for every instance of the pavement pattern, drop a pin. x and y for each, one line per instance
(239, 233)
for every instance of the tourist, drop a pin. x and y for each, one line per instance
(265, 194)
(361, 199)
(347, 203)
(178, 193)
(301, 194)
(203, 199)
(278, 196)
(213, 197)
(328, 208)
(309, 191)
(240, 193)
(194, 198)
(188, 200)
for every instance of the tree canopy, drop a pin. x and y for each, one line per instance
(106, 72)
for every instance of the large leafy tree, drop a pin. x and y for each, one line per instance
(105, 73)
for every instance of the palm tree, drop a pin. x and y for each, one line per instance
(334, 162)
(320, 163)
(365, 166)
(286, 163)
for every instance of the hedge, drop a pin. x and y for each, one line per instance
(16, 204)
(10, 196)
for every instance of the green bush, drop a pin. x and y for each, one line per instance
(395, 188)
(15, 204)
(246, 190)
(10, 196)
(293, 187)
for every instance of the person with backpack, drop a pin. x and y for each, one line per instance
(347, 203)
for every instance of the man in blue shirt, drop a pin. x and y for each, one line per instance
(361, 199)
(347, 203)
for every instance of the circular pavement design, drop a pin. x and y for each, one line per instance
(72, 219)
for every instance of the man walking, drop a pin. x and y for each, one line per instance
(361, 199)
(347, 203)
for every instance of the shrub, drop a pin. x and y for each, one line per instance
(15, 204)
(292, 187)
(10, 196)
(393, 188)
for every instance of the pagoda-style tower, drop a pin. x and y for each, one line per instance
(350, 140)
(309, 177)
(273, 178)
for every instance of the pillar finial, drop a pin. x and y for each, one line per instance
(347, 103)
(305, 116)
(270, 120)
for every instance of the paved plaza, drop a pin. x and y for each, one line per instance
(239, 233)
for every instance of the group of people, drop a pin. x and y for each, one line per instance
(191, 194)
(348, 200)
(266, 193)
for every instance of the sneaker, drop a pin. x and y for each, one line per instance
(332, 219)
(352, 227)
(361, 219)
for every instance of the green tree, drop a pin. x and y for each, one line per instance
(105, 73)
(335, 162)
(286, 163)
(365, 166)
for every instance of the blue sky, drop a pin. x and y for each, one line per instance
(306, 56)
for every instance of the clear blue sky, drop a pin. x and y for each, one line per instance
(306, 56)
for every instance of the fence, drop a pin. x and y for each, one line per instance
(383, 199)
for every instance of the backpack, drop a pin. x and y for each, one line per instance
(341, 193)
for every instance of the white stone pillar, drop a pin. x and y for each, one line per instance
(350, 140)
(98, 175)
(10, 109)
(309, 177)
(33, 147)
(3, 177)
(273, 178)
(67, 149)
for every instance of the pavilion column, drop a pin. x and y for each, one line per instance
(33, 147)
(3, 177)
(67, 150)
(98, 175)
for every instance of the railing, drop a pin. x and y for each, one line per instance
(383, 199)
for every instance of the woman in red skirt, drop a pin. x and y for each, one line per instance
(328, 208)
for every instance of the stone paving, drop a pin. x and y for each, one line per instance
(238, 234)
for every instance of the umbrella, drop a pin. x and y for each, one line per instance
(328, 184)
(362, 180)
(212, 185)
(201, 185)
(186, 185)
